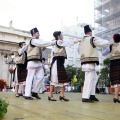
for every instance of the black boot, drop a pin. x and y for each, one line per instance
(35, 95)
(92, 97)
(28, 98)
(87, 100)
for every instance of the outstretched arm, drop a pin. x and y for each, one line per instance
(106, 51)
(101, 42)
(67, 43)
(41, 43)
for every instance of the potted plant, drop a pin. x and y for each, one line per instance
(81, 78)
(3, 107)
(107, 80)
(71, 71)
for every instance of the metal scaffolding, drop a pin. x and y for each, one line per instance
(107, 18)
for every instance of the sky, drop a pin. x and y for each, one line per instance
(47, 15)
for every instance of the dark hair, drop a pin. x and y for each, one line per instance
(20, 44)
(116, 38)
(33, 31)
(56, 34)
(43, 59)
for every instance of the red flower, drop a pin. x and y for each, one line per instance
(3, 83)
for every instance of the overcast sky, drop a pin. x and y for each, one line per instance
(46, 15)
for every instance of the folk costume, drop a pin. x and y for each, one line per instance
(114, 51)
(58, 74)
(21, 69)
(35, 68)
(89, 59)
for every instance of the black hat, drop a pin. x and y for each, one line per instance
(56, 33)
(34, 30)
(87, 29)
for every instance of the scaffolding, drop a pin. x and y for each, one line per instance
(107, 18)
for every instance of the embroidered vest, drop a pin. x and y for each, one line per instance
(115, 51)
(59, 51)
(88, 51)
(34, 52)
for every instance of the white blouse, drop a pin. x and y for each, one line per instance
(106, 51)
(22, 50)
(65, 43)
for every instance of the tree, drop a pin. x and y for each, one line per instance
(104, 74)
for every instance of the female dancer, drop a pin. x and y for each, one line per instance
(58, 75)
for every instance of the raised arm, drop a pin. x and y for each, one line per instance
(22, 50)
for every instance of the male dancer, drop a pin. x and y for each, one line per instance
(89, 58)
(35, 68)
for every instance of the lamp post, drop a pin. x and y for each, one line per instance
(9, 59)
(49, 57)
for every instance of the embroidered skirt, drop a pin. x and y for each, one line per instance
(58, 73)
(21, 73)
(115, 73)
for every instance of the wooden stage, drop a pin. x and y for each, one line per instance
(21, 109)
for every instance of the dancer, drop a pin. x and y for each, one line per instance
(114, 51)
(89, 58)
(21, 70)
(35, 73)
(58, 75)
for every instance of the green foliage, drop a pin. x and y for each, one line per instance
(3, 107)
(73, 73)
(104, 74)
(80, 76)
(107, 63)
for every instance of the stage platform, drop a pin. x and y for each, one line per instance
(21, 109)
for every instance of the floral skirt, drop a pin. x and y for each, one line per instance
(22, 74)
(115, 73)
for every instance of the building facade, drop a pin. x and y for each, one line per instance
(9, 39)
(73, 32)
(107, 18)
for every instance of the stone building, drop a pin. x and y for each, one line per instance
(9, 39)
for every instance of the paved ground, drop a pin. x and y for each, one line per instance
(21, 109)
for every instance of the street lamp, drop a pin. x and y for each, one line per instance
(9, 59)
(49, 57)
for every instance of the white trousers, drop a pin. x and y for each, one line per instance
(89, 88)
(42, 87)
(35, 77)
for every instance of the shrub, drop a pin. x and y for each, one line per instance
(3, 107)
